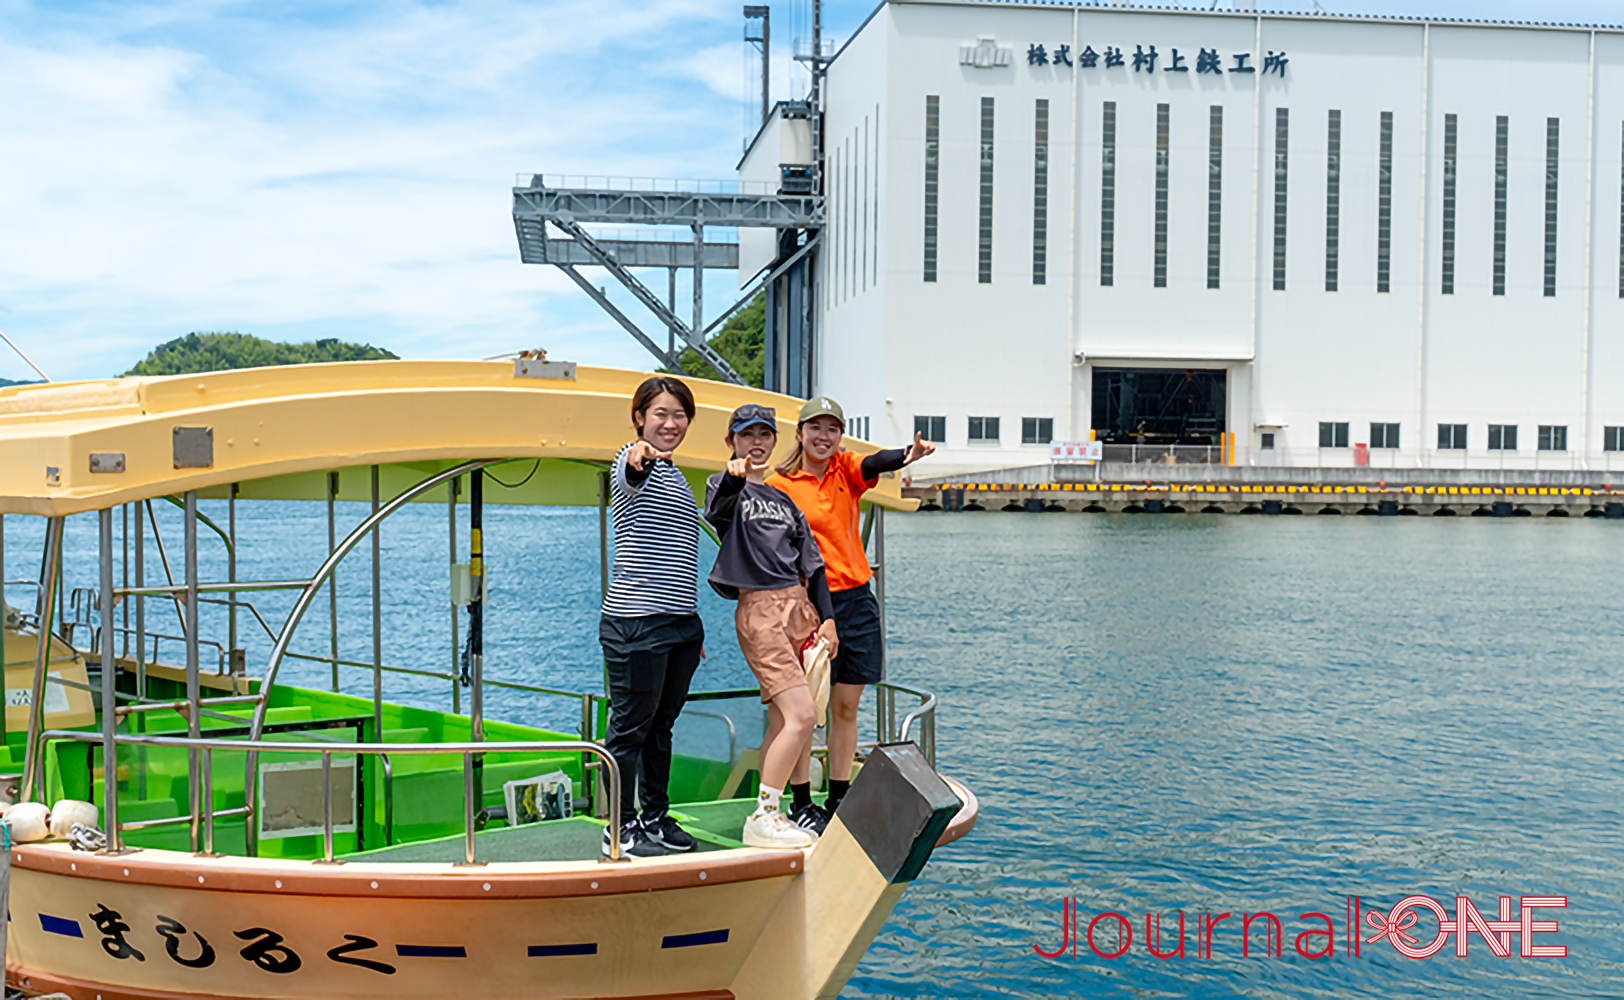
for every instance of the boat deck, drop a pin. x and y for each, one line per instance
(716, 825)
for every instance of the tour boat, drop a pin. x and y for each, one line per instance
(267, 840)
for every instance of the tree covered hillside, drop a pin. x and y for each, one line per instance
(214, 352)
(741, 342)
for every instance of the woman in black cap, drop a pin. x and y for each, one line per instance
(769, 563)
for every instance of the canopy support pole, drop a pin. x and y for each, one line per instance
(377, 618)
(332, 585)
(124, 538)
(140, 604)
(231, 575)
(476, 634)
(451, 535)
(3, 612)
(44, 613)
(109, 684)
(194, 715)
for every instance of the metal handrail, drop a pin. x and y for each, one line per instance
(468, 751)
(925, 714)
(584, 698)
(732, 732)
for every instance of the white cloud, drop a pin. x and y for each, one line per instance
(311, 175)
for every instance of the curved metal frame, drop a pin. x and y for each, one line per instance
(302, 605)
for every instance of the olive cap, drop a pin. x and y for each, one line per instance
(822, 406)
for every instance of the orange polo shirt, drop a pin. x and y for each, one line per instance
(830, 506)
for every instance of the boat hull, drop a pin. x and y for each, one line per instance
(739, 923)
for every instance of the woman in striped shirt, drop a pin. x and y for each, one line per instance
(651, 631)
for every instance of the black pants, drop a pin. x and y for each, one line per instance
(651, 661)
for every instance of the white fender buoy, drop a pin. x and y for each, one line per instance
(70, 811)
(29, 821)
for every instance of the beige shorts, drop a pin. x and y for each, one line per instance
(772, 624)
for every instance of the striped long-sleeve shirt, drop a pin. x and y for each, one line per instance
(656, 568)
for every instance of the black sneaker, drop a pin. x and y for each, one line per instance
(634, 842)
(665, 832)
(810, 817)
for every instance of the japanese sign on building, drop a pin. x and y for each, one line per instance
(987, 54)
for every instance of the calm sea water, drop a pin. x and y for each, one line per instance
(1159, 714)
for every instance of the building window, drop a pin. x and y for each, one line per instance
(933, 428)
(1384, 205)
(1160, 268)
(1552, 135)
(1108, 194)
(1281, 137)
(983, 428)
(1553, 438)
(1451, 437)
(1037, 430)
(1266, 441)
(1502, 437)
(832, 209)
(1502, 143)
(1333, 194)
(1215, 196)
(1333, 435)
(1384, 435)
(1612, 439)
(1040, 193)
(985, 241)
(846, 242)
(1450, 135)
(933, 149)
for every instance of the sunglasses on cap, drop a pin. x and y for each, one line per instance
(752, 413)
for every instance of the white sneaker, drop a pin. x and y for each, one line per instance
(774, 829)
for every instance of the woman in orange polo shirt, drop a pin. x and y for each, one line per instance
(826, 482)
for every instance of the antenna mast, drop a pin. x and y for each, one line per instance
(751, 12)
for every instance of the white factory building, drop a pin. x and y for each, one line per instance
(1301, 240)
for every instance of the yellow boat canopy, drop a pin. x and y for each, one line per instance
(276, 433)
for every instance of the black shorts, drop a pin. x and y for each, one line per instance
(861, 659)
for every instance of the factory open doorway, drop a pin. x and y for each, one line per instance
(1160, 406)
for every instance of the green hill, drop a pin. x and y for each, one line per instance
(214, 352)
(741, 342)
(7, 381)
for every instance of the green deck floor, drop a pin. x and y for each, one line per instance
(716, 825)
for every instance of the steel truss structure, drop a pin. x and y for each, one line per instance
(797, 217)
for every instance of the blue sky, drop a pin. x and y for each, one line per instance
(299, 170)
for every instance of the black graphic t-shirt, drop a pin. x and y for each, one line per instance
(766, 544)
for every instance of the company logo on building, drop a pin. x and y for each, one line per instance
(985, 54)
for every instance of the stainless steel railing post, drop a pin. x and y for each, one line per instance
(468, 810)
(388, 800)
(208, 804)
(327, 806)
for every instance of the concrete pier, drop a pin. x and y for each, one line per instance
(1274, 499)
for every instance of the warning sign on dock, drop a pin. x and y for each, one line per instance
(1076, 451)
